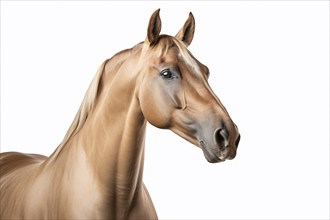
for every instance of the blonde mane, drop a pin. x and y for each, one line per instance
(89, 100)
(85, 108)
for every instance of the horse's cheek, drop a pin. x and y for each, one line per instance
(155, 110)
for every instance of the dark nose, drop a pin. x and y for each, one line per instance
(221, 138)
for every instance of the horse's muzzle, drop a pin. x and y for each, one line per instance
(225, 145)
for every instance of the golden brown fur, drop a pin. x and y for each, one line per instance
(97, 170)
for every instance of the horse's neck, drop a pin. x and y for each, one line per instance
(113, 141)
(114, 146)
(110, 144)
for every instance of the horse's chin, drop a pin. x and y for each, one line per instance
(209, 155)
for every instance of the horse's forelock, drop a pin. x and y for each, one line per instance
(166, 42)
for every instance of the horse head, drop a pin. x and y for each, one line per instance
(174, 93)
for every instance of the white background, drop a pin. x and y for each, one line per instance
(269, 64)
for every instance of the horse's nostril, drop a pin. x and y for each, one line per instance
(237, 140)
(221, 138)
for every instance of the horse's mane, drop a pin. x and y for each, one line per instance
(86, 105)
(90, 98)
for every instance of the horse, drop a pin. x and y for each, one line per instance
(96, 172)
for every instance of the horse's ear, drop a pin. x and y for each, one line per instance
(186, 34)
(154, 28)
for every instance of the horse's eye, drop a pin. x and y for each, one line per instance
(167, 74)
